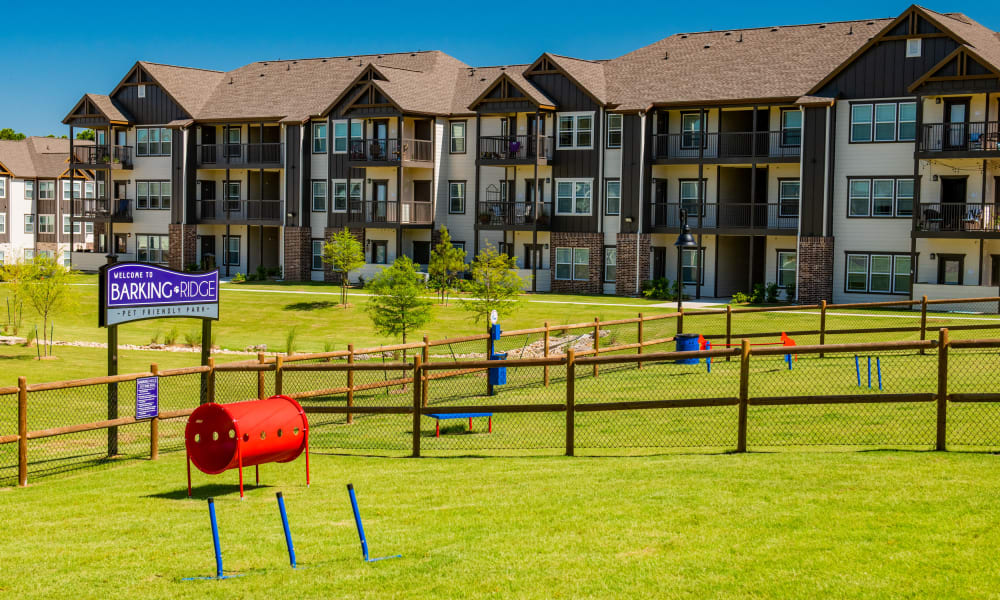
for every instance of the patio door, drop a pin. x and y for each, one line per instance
(380, 194)
(380, 138)
(956, 115)
(953, 209)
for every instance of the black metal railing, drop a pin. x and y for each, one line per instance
(958, 216)
(514, 147)
(375, 150)
(734, 215)
(115, 157)
(762, 144)
(240, 155)
(506, 214)
(118, 209)
(980, 136)
(242, 210)
(418, 150)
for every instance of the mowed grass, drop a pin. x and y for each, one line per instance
(797, 525)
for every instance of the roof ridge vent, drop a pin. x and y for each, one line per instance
(823, 26)
(774, 29)
(666, 55)
(684, 36)
(707, 46)
(851, 30)
(741, 37)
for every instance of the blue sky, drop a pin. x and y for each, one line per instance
(52, 54)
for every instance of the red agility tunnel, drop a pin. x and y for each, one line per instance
(219, 437)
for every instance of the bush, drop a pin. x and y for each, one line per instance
(239, 278)
(261, 273)
(741, 298)
(661, 289)
(193, 338)
(757, 295)
(771, 293)
(170, 337)
(361, 281)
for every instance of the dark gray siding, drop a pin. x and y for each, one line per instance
(293, 172)
(156, 108)
(489, 108)
(814, 145)
(177, 176)
(883, 71)
(190, 181)
(631, 171)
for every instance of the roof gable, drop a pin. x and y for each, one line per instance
(369, 96)
(586, 75)
(963, 64)
(5, 171)
(505, 89)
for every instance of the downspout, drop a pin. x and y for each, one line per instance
(642, 169)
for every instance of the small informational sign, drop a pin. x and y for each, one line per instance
(147, 397)
(137, 291)
(494, 317)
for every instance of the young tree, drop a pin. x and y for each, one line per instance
(344, 254)
(46, 288)
(14, 274)
(447, 263)
(495, 285)
(396, 305)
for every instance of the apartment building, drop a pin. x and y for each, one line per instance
(851, 161)
(35, 217)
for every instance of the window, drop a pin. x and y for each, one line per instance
(65, 227)
(913, 47)
(786, 268)
(29, 254)
(791, 127)
(29, 223)
(885, 122)
(357, 130)
(3, 187)
(610, 263)
(380, 252)
(690, 130)
(141, 90)
(339, 137)
(690, 196)
(882, 192)
(152, 141)
(861, 123)
(613, 197)
(859, 198)
(319, 138)
(904, 198)
(317, 255)
(456, 197)
(614, 131)
(88, 189)
(457, 137)
(46, 190)
(232, 196)
(788, 198)
(46, 224)
(3, 223)
(878, 273)
(29, 190)
(881, 197)
(576, 131)
(44, 254)
(152, 195)
(89, 229)
(319, 196)
(689, 266)
(573, 196)
(232, 244)
(339, 196)
(152, 248)
(458, 245)
(573, 264)
(907, 121)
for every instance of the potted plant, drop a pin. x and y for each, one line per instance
(484, 218)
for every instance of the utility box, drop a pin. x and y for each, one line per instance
(498, 375)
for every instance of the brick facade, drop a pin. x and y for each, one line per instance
(183, 246)
(298, 254)
(359, 234)
(815, 261)
(625, 279)
(593, 242)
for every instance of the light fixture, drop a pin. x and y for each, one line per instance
(290, 215)
(369, 180)
(546, 246)
(933, 256)
(934, 177)
(937, 101)
(628, 219)
(547, 180)
(685, 241)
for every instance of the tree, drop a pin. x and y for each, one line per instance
(46, 288)
(9, 134)
(396, 306)
(447, 263)
(344, 254)
(495, 285)
(86, 134)
(14, 274)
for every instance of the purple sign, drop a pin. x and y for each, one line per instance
(136, 291)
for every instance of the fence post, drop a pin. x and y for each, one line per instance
(639, 363)
(22, 431)
(417, 397)
(154, 423)
(923, 321)
(350, 381)
(546, 353)
(424, 359)
(741, 436)
(210, 392)
(822, 325)
(597, 341)
(729, 328)
(279, 365)
(942, 394)
(570, 402)
(260, 377)
(680, 320)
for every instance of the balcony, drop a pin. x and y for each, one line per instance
(514, 150)
(369, 212)
(944, 140)
(514, 215)
(102, 157)
(736, 147)
(239, 211)
(958, 217)
(727, 216)
(116, 210)
(390, 152)
(240, 156)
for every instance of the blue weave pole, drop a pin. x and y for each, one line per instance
(215, 543)
(788, 359)
(857, 369)
(878, 366)
(288, 532)
(361, 528)
(869, 372)
(708, 361)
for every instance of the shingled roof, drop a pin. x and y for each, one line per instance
(36, 156)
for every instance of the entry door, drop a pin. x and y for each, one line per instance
(533, 131)
(380, 140)
(207, 199)
(659, 262)
(953, 210)
(121, 138)
(380, 194)
(950, 269)
(995, 269)
(956, 115)
(208, 147)
(208, 252)
(529, 201)
(422, 253)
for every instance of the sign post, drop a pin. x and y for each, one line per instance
(133, 291)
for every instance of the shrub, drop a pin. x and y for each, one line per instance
(261, 273)
(156, 338)
(741, 298)
(170, 337)
(239, 278)
(290, 336)
(771, 293)
(660, 289)
(757, 295)
(193, 338)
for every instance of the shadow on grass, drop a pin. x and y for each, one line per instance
(308, 306)
(208, 490)
(17, 357)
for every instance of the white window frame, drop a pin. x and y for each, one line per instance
(454, 141)
(691, 137)
(891, 122)
(29, 190)
(892, 273)
(900, 122)
(914, 47)
(147, 253)
(317, 139)
(693, 205)
(851, 196)
(3, 223)
(232, 202)
(617, 196)
(614, 126)
(785, 129)
(66, 223)
(3, 187)
(574, 198)
(896, 211)
(318, 194)
(339, 187)
(46, 223)
(575, 131)
(610, 260)
(870, 122)
(47, 190)
(785, 199)
(888, 274)
(895, 273)
(685, 252)
(317, 257)
(572, 258)
(141, 90)
(337, 138)
(29, 223)
(452, 196)
(782, 269)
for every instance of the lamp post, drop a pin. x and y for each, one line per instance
(685, 241)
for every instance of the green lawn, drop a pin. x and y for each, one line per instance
(796, 525)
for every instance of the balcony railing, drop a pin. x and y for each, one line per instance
(115, 157)
(508, 214)
(501, 148)
(240, 155)
(958, 216)
(959, 137)
(418, 150)
(391, 213)
(736, 145)
(241, 210)
(727, 215)
(375, 150)
(117, 209)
